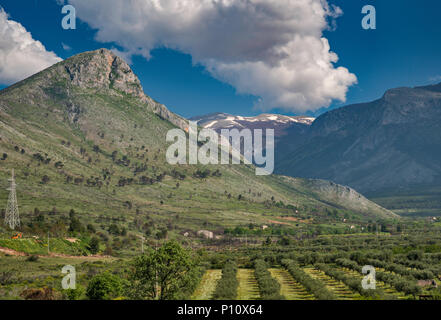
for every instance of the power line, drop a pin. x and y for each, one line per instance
(12, 217)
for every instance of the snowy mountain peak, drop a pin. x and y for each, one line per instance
(217, 121)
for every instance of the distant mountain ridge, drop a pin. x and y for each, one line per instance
(282, 125)
(279, 122)
(390, 143)
(390, 146)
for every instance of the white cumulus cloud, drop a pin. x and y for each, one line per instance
(20, 55)
(273, 49)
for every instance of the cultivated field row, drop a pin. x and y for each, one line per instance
(290, 288)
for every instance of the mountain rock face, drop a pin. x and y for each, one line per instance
(393, 143)
(103, 70)
(335, 193)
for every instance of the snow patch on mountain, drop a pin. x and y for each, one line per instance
(222, 120)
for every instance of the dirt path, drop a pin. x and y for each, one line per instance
(52, 255)
(12, 252)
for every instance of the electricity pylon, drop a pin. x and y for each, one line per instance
(12, 217)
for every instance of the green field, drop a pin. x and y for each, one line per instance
(207, 285)
(248, 289)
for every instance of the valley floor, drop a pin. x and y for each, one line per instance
(406, 267)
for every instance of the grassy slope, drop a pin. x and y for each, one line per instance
(37, 246)
(46, 272)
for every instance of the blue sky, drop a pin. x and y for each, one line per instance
(404, 50)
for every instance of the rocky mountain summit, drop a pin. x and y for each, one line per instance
(100, 71)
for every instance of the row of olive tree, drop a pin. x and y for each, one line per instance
(269, 288)
(400, 269)
(226, 288)
(353, 283)
(314, 286)
(400, 283)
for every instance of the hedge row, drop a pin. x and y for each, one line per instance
(399, 283)
(400, 269)
(314, 286)
(226, 288)
(268, 286)
(424, 265)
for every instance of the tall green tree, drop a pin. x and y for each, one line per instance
(168, 273)
(94, 245)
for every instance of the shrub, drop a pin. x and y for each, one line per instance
(6, 277)
(226, 288)
(39, 294)
(75, 294)
(45, 179)
(94, 245)
(104, 286)
(32, 258)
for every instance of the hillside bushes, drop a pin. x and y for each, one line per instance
(268, 286)
(226, 288)
(316, 287)
(346, 263)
